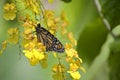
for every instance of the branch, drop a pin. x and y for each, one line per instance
(105, 21)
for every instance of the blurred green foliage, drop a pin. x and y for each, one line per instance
(111, 10)
(99, 51)
(91, 39)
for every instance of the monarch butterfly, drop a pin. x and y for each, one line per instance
(49, 40)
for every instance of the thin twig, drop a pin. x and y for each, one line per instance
(105, 21)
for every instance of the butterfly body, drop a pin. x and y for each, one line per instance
(49, 40)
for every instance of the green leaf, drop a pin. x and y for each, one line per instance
(91, 39)
(114, 65)
(115, 46)
(99, 68)
(111, 10)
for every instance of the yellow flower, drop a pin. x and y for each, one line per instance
(29, 46)
(55, 23)
(68, 45)
(64, 30)
(4, 44)
(40, 47)
(34, 45)
(29, 28)
(49, 14)
(9, 11)
(33, 5)
(71, 52)
(28, 23)
(73, 58)
(50, 22)
(13, 31)
(34, 56)
(78, 62)
(13, 35)
(58, 68)
(75, 75)
(71, 38)
(35, 8)
(73, 67)
(27, 34)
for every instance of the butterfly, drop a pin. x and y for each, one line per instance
(48, 39)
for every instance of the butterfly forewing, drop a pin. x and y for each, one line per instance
(51, 42)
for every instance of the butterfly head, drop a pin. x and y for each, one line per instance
(38, 27)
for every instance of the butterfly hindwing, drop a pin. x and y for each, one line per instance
(51, 42)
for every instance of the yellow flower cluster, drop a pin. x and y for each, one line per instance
(33, 50)
(58, 68)
(9, 11)
(52, 24)
(34, 56)
(58, 72)
(72, 40)
(64, 24)
(29, 27)
(72, 58)
(13, 35)
(55, 22)
(33, 5)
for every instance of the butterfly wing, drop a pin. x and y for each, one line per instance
(51, 42)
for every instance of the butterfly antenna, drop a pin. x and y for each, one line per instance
(42, 8)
